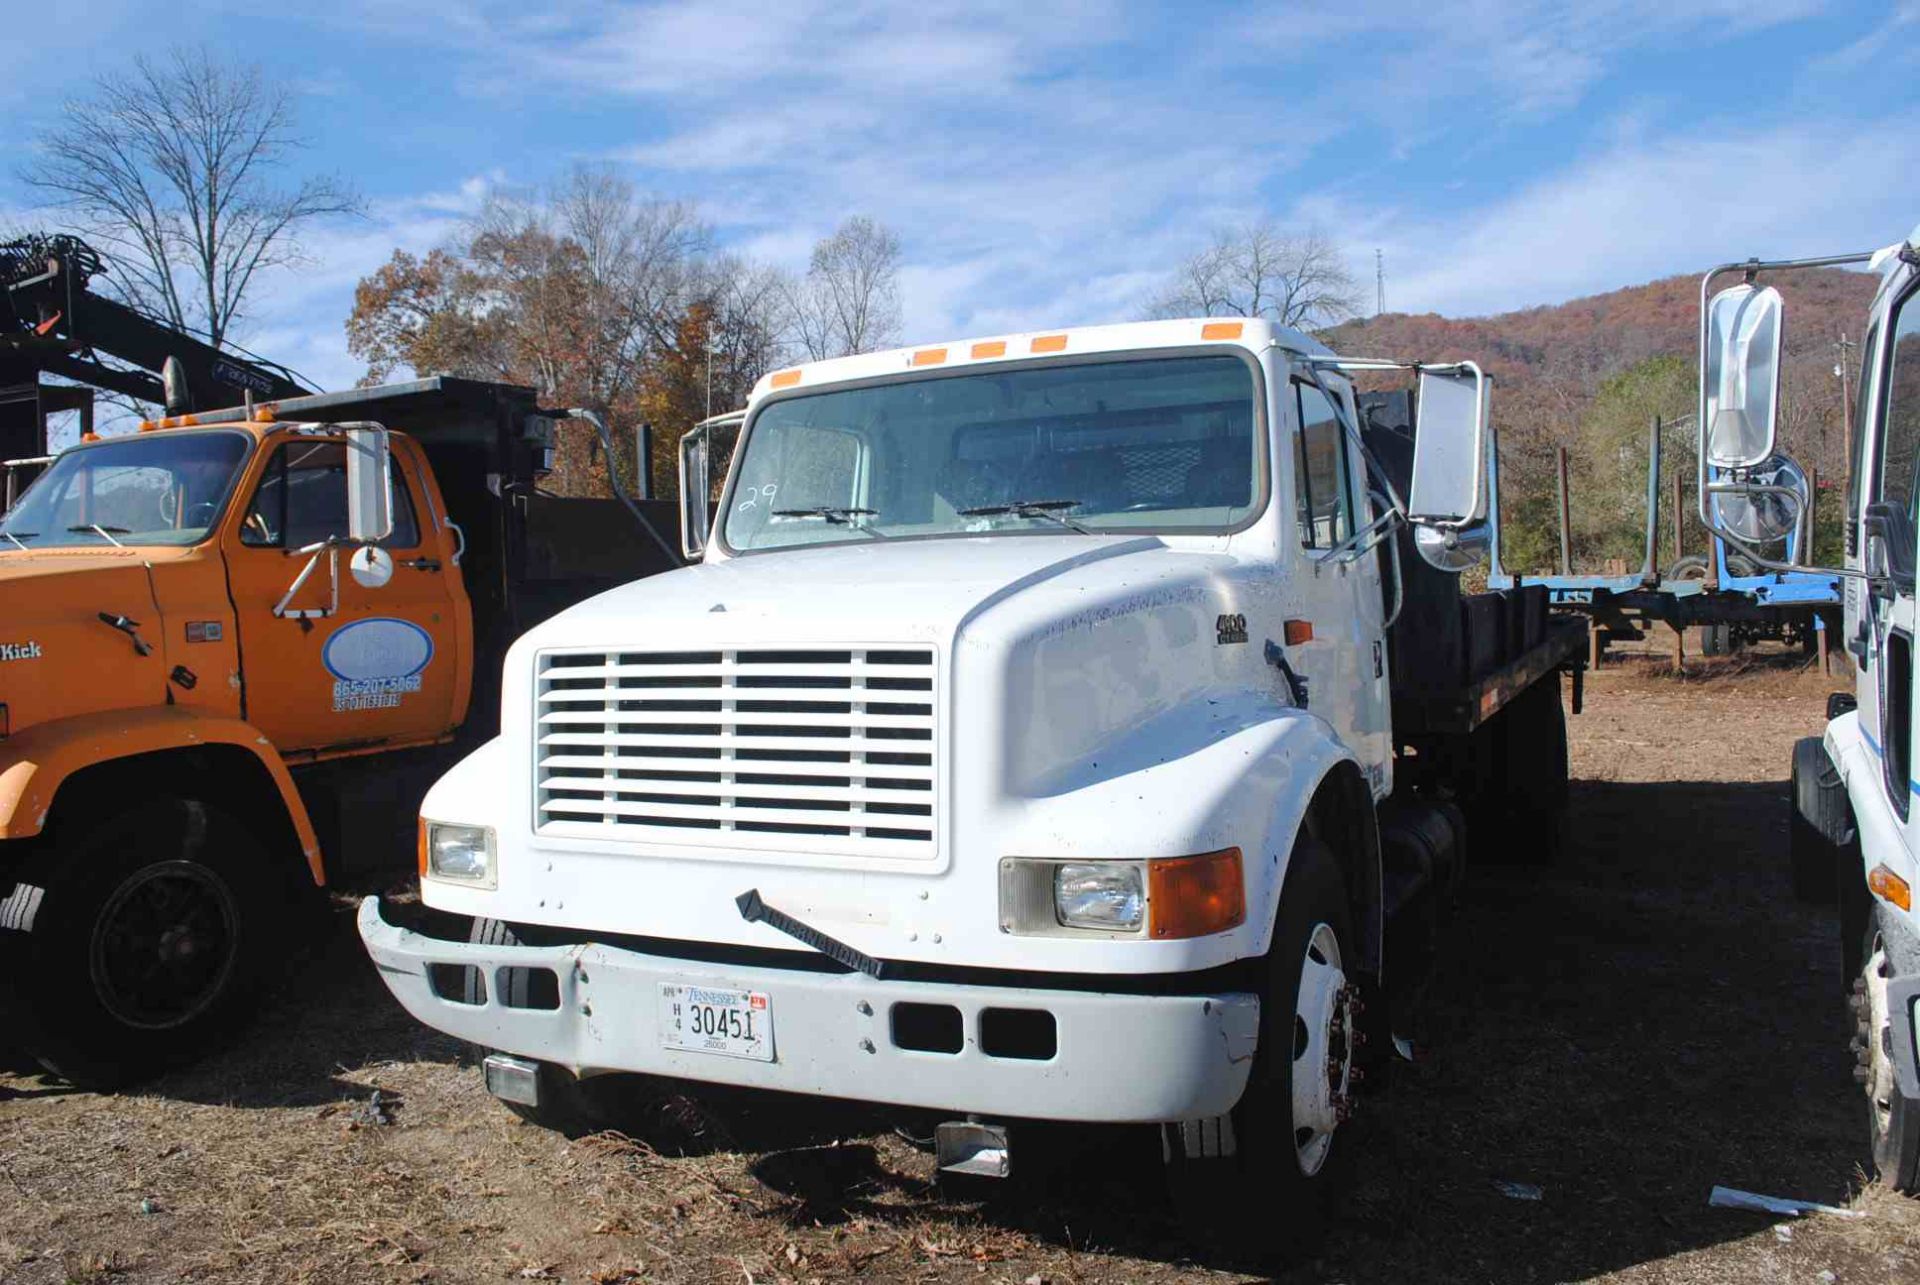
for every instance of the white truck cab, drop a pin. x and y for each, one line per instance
(1020, 746)
(1855, 831)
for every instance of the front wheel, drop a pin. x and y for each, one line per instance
(1261, 1181)
(1893, 1118)
(149, 938)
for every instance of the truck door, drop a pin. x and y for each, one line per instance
(1345, 660)
(1892, 442)
(380, 665)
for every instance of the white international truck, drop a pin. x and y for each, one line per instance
(1071, 726)
(1854, 830)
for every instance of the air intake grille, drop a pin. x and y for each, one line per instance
(803, 749)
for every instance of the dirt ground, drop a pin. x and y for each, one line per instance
(1649, 1017)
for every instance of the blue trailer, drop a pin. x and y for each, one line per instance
(1733, 601)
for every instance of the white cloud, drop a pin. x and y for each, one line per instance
(1649, 210)
(1045, 164)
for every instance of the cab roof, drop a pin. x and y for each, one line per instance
(1250, 333)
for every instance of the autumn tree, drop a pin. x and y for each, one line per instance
(587, 294)
(171, 168)
(1261, 270)
(849, 299)
(424, 314)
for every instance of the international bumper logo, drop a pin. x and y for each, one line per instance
(20, 651)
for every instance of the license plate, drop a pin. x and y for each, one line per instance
(706, 1020)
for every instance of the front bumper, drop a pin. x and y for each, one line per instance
(1119, 1058)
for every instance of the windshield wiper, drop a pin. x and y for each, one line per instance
(839, 515)
(1048, 510)
(104, 532)
(16, 537)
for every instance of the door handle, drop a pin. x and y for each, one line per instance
(421, 564)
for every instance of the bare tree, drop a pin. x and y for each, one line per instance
(849, 300)
(748, 307)
(1259, 270)
(640, 263)
(170, 168)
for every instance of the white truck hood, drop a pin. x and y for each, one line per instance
(894, 591)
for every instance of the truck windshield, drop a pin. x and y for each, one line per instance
(154, 488)
(1144, 444)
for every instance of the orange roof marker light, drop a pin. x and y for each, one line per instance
(990, 348)
(1049, 343)
(929, 356)
(786, 379)
(1221, 330)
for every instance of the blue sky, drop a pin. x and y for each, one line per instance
(1044, 164)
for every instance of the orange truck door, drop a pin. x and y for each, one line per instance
(386, 665)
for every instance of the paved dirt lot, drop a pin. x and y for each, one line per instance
(1649, 1017)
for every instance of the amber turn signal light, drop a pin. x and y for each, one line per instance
(421, 822)
(1195, 896)
(1889, 886)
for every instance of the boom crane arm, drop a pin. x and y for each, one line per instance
(51, 321)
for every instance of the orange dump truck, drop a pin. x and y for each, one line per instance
(234, 649)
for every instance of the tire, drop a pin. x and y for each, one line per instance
(1818, 823)
(567, 1103)
(1691, 567)
(1893, 1119)
(1716, 640)
(150, 943)
(1271, 1198)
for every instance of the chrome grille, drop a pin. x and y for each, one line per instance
(808, 749)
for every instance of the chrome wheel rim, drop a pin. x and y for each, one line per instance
(1871, 1049)
(1323, 1031)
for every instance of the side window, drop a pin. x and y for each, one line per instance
(1900, 408)
(1323, 491)
(302, 500)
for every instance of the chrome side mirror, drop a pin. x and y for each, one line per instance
(1453, 550)
(1449, 448)
(369, 483)
(371, 566)
(1740, 376)
(694, 488)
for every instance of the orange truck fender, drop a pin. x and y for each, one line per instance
(34, 763)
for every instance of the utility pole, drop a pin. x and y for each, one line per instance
(1843, 367)
(1379, 285)
(710, 350)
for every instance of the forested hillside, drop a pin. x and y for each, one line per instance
(1592, 373)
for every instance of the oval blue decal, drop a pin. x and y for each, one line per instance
(369, 650)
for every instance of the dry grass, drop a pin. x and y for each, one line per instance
(1651, 1016)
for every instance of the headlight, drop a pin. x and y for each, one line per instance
(1104, 895)
(459, 853)
(1159, 898)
